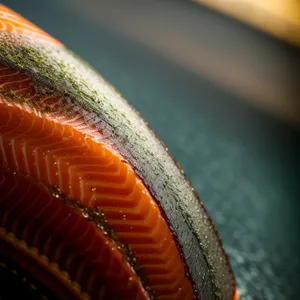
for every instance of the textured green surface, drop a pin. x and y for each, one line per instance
(87, 95)
(243, 163)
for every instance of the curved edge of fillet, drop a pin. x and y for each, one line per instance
(86, 95)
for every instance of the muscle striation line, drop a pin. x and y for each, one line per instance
(46, 223)
(63, 151)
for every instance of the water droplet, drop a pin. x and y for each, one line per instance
(100, 226)
(130, 278)
(93, 189)
(112, 249)
(85, 214)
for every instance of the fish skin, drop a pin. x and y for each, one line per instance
(62, 157)
(102, 110)
(66, 109)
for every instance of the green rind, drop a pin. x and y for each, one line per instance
(56, 69)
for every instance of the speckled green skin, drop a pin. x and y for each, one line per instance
(56, 70)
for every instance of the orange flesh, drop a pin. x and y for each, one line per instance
(60, 232)
(63, 157)
(236, 295)
(10, 21)
(89, 171)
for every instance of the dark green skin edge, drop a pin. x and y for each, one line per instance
(57, 70)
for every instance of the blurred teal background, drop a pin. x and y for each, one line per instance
(224, 98)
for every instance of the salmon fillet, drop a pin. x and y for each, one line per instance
(89, 195)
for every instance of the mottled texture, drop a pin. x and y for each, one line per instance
(243, 163)
(86, 95)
